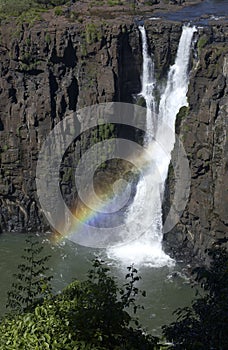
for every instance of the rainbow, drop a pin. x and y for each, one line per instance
(84, 215)
(93, 211)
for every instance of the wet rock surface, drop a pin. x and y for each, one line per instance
(203, 131)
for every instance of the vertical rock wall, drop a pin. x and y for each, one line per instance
(45, 73)
(203, 129)
(49, 71)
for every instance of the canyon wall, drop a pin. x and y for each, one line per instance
(48, 71)
(52, 69)
(203, 128)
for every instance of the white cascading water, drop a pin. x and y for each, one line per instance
(148, 85)
(147, 204)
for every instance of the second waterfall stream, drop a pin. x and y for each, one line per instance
(146, 208)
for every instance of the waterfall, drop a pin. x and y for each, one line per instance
(174, 95)
(148, 85)
(146, 208)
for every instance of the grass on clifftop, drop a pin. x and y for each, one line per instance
(26, 10)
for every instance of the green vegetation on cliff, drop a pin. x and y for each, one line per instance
(26, 9)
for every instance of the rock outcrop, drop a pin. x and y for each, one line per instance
(203, 129)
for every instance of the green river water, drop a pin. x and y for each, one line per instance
(69, 261)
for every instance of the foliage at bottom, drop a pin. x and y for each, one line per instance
(86, 315)
(204, 325)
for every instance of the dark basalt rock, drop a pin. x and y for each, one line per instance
(47, 72)
(51, 70)
(203, 132)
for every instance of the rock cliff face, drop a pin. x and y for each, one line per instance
(52, 69)
(47, 72)
(203, 130)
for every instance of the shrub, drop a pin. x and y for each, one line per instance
(93, 33)
(203, 40)
(58, 11)
(114, 2)
(31, 284)
(86, 315)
